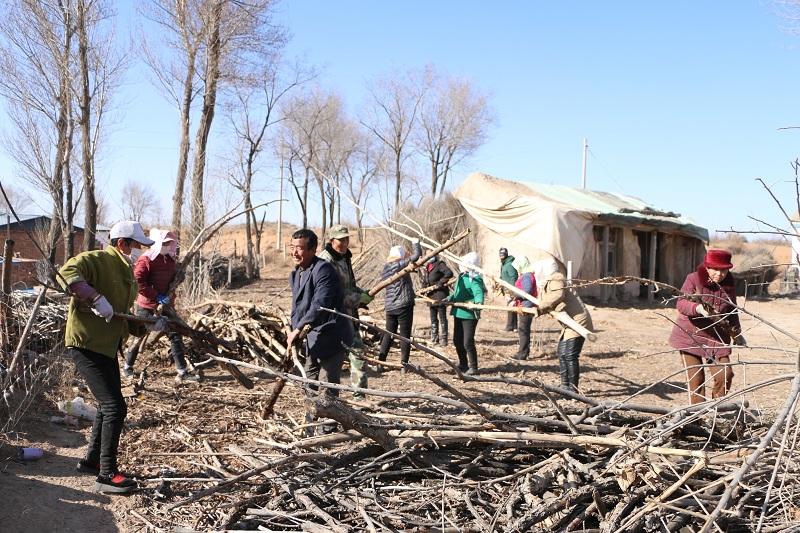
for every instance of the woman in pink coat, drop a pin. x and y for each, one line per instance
(708, 325)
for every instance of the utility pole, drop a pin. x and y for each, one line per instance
(583, 178)
(280, 204)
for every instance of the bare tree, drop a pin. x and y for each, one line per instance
(137, 202)
(303, 133)
(100, 67)
(208, 44)
(360, 171)
(18, 197)
(251, 113)
(35, 80)
(453, 123)
(391, 113)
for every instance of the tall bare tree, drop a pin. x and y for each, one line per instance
(35, 79)
(360, 171)
(391, 112)
(251, 113)
(308, 116)
(138, 201)
(453, 123)
(215, 43)
(100, 66)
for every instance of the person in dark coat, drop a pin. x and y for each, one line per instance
(316, 283)
(399, 302)
(526, 283)
(707, 325)
(508, 274)
(437, 274)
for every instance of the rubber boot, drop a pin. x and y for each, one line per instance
(434, 333)
(572, 353)
(473, 363)
(443, 338)
(562, 364)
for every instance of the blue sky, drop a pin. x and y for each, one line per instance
(680, 102)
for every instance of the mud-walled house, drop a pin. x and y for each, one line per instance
(592, 234)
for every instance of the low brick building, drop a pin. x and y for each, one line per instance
(26, 255)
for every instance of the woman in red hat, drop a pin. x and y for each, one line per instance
(708, 325)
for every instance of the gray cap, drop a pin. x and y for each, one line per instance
(128, 229)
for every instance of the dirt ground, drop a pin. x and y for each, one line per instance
(630, 357)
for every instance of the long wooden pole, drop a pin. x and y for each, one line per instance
(411, 267)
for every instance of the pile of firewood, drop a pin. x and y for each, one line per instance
(422, 461)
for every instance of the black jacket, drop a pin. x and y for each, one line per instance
(400, 293)
(438, 275)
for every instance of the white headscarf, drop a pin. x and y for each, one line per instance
(165, 242)
(474, 259)
(544, 268)
(396, 253)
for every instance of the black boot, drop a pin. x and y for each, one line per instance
(572, 354)
(443, 338)
(473, 363)
(434, 333)
(562, 364)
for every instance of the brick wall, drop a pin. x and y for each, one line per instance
(24, 270)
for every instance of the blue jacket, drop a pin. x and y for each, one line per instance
(320, 286)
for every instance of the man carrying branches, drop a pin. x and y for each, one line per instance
(337, 252)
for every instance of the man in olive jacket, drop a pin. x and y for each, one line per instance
(103, 284)
(337, 252)
(508, 274)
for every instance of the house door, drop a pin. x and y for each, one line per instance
(648, 249)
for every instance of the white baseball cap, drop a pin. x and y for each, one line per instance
(128, 229)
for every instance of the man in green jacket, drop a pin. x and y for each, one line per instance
(337, 252)
(103, 284)
(508, 274)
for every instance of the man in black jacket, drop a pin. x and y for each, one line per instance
(437, 274)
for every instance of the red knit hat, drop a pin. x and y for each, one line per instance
(718, 260)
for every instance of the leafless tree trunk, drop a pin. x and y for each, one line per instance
(453, 123)
(391, 114)
(251, 114)
(233, 37)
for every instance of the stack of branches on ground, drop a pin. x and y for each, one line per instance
(33, 340)
(551, 460)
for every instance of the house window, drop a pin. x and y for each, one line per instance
(608, 265)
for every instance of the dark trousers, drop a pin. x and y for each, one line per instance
(511, 321)
(524, 322)
(398, 319)
(327, 370)
(464, 341)
(439, 322)
(101, 374)
(177, 349)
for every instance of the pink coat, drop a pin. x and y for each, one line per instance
(704, 336)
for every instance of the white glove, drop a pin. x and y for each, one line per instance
(158, 325)
(102, 308)
(700, 310)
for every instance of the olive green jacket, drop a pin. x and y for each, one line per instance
(109, 272)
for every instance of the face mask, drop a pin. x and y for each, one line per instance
(135, 254)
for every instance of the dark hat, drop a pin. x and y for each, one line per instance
(503, 252)
(718, 259)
